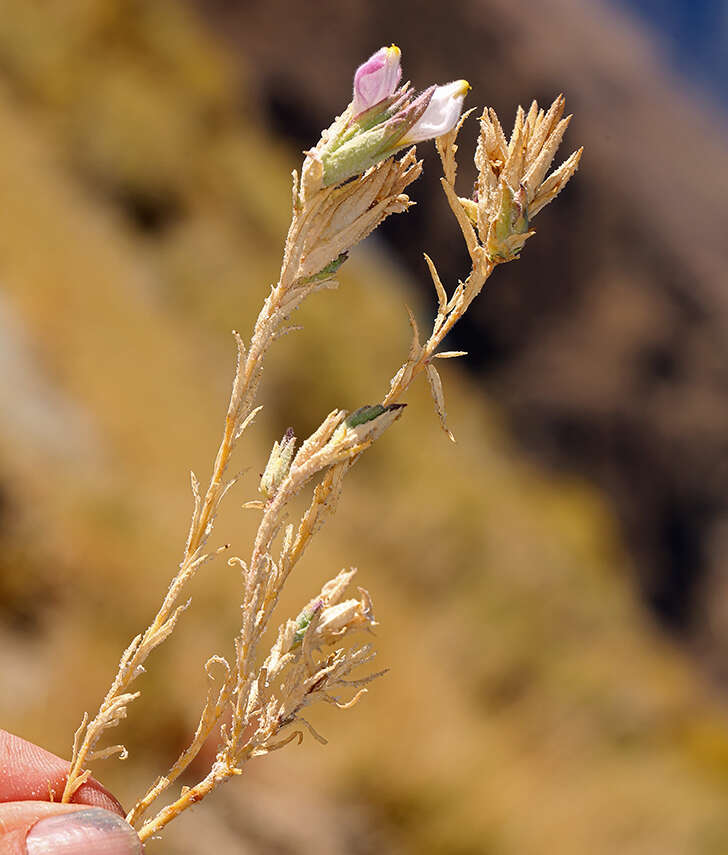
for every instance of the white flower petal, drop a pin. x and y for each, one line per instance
(441, 114)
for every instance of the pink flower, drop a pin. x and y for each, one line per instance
(441, 114)
(382, 118)
(376, 79)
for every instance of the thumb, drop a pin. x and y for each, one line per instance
(42, 828)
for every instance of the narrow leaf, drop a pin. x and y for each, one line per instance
(441, 293)
(438, 397)
(415, 347)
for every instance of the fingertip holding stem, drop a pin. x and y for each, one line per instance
(92, 831)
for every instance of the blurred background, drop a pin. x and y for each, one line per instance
(552, 590)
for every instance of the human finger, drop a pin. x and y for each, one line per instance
(45, 828)
(29, 772)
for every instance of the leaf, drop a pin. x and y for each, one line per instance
(450, 354)
(441, 293)
(328, 270)
(364, 414)
(438, 397)
(416, 346)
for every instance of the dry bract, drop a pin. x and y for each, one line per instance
(511, 189)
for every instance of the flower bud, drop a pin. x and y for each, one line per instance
(278, 464)
(333, 617)
(369, 147)
(376, 79)
(304, 619)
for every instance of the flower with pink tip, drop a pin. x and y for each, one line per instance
(376, 79)
(383, 119)
(441, 114)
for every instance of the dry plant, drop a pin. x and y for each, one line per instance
(349, 183)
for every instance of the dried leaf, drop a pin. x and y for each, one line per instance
(438, 397)
(439, 288)
(415, 350)
(254, 505)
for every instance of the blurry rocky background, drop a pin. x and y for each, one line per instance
(551, 590)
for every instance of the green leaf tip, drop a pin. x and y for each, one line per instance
(368, 413)
(327, 271)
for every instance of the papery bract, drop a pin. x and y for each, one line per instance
(376, 79)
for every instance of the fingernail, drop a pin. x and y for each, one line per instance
(94, 831)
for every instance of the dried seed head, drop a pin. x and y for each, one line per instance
(510, 189)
